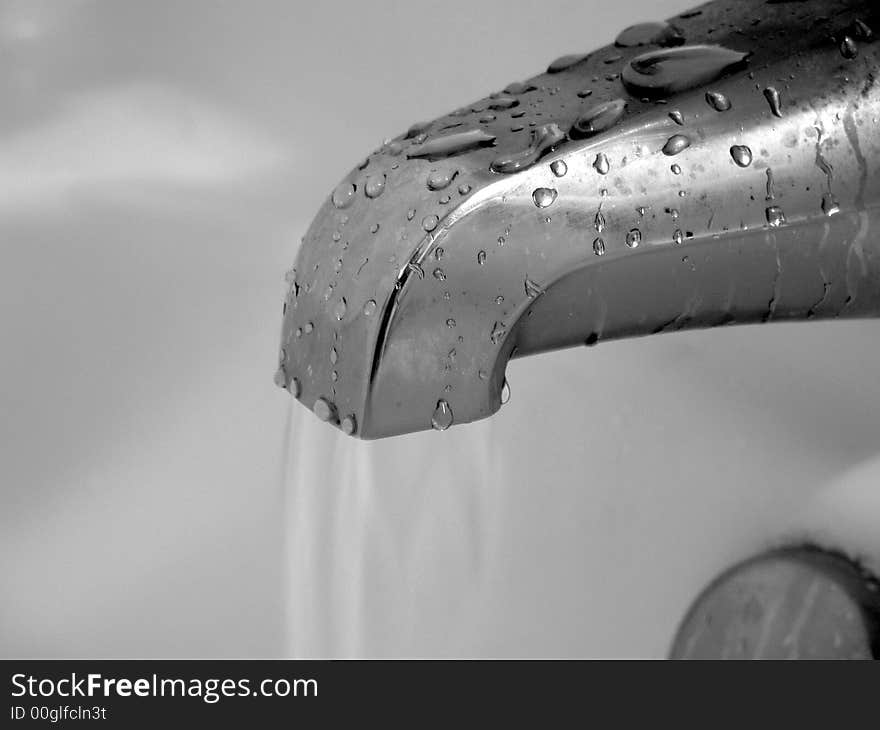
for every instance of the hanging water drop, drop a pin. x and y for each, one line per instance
(324, 410)
(505, 392)
(442, 416)
(349, 425)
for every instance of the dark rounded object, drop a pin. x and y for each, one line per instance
(793, 603)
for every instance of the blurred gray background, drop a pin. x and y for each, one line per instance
(159, 162)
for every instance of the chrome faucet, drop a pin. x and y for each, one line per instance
(715, 169)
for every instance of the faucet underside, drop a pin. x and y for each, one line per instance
(711, 170)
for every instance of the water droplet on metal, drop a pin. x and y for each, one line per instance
(633, 238)
(675, 144)
(533, 289)
(324, 410)
(599, 222)
(543, 138)
(280, 377)
(601, 164)
(772, 97)
(309, 327)
(334, 356)
(518, 87)
(677, 236)
(599, 247)
(440, 179)
(830, 205)
(848, 48)
(442, 416)
(505, 392)
(502, 103)
(718, 101)
(339, 309)
(450, 322)
(293, 387)
(646, 34)
(584, 93)
(349, 425)
(464, 189)
(452, 144)
(775, 216)
(369, 307)
(343, 195)
(439, 274)
(741, 155)
(676, 117)
(558, 168)
(374, 185)
(564, 62)
(429, 222)
(661, 73)
(499, 329)
(598, 119)
(676, 169)
(544, 197)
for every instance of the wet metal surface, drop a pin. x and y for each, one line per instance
(696, 231)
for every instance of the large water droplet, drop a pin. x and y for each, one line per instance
(676, 117)
(375, 185)
(601, 164)
(324, 409)
(452, 144)
(741, 154)
(598, 119)
(542, 140)
(429, 222)
(772, 97)
(343, 195)
(564, 62)
(633, 238)
(442, 416)
(599, 247)
(645, 34)
(440, 179)
(558, 168)
(718, 101)
(661, 73)
(544, 197)
(775, 216)
(676, 143)
(505, 392)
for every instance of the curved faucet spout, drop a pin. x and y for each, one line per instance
(715, 169)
